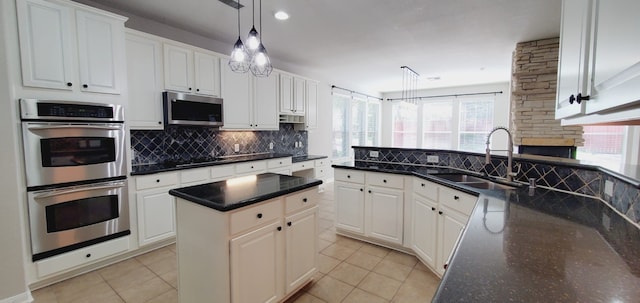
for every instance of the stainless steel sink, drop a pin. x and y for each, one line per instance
(473, 181)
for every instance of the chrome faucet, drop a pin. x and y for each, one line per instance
(510, 173)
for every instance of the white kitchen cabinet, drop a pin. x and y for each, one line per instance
(424, 229)
(257, 265)
(144, 76)
(292, 95)
(250, 102)
(384, 209)
(156, 216)
(301, 249)
(191, 70)
(70, 47)
(280, 166)
(312, 105)
(349, 206)
(573, 76)
(450, 225)
(299, 94)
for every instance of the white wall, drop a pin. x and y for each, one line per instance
(501, 116)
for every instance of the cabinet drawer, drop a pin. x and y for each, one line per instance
(81, 256)
(301, 200)
(250, 167)
(321, 172)
(321, 162)
(222, 172)
(194, 175)
(156, 180)
(386, 180)
(453, 199)
(303, 165)
(426, 189)
(279, 162)
(256, 216)
(348, 175)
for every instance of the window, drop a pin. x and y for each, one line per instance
(440, 128)
(356, 121)
(602, 145)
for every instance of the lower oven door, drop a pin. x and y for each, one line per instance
(57, 153)
(68, 218)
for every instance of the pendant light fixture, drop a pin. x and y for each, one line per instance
(409, 85)
(253, 39)
(240, 60)
(260, 63)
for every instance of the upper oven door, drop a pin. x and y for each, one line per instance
(58, 153)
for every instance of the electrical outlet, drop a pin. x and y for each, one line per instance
(608, 188)
(374, 153)
(300, 144)
(433, 159)
(236, 147)
(271, 145)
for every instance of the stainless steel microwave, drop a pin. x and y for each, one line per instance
(186, 109)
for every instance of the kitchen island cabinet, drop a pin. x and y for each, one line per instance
(248, 239)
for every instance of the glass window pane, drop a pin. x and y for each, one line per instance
(405, 125)
(602, 145)
(373, 124)
(340, 136)
(357, 123)
(437, 124)
(476, 121)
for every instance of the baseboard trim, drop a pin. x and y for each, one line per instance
(24, 297)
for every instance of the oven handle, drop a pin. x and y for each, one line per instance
(59, 192)
(39, 127)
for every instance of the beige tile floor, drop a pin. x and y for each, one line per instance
(350, 271)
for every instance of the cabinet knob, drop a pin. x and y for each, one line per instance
(157, 180)
(572, 99)
(580, 98)
(259, 216)
(440, 212)
(288, 223)
(280, 162)
(304, 200)
(422, 184)
(189, 88)
(361, 189)
(88, 256)
(85, 86)
(348, 176)
(456, 198)
(433, 208)
(197, 89)
(159, 122)
(369, 191)
(385, 180)
(69, 84)
(279, 228)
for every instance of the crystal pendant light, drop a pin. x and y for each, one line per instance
(260, 63)
(240, 60)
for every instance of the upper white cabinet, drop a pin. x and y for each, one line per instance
(191, 70)
(292, 94)
(70, 47)
(312, 104)
(250, 102)
(599, 65)
(144, 76)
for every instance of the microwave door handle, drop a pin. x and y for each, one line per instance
(53, 193)
(43, 127)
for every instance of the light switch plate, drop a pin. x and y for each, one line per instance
(374, 153)
(433, 159)
(608, 188)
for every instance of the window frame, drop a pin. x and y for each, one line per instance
(352, 99)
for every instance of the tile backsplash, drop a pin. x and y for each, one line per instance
(183, 143)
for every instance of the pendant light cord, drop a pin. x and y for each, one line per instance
(261, 33)
(238, 18)
(253, 10)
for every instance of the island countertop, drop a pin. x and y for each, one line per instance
(243, 191)
(538, 245)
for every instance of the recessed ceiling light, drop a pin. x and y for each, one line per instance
(433, 78)
(281, 15)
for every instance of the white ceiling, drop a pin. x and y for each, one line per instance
(361, 44)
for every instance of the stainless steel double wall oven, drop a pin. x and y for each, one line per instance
(75, 173)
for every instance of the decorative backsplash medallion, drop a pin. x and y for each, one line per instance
(184, 143)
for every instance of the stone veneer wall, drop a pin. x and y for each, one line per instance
(533, 93)
(584, 180)
(182, 143)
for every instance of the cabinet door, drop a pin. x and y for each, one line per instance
(450, 226)
(265, 100)
(299, 93)
(616, 63)
(100, 46)
(156, 216)
(384, 213)
(301, 247)
(237, 99)
(312, 105)
(178, 68)
(144, 75)
(207, 74)
(46, 44)
(424, 229)
(574, 56)
(286, 94)
(257, 265)
(350, 206)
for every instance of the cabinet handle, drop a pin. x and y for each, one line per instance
(304, 200)
(361, 189)
(157, 180)
(385, 180)
(288, 223)
(159, 122)
(279, 228)
(197, 89)
(348, 176)
(259, 216)
(369, 191)
(251, 166)
(69, 84)
(572, 99)
(85, 86)
(580, 97)
(433, 208)
(422, 184)
(440, 212)
(189, 88)
(280, 162)
(456, 198)
(88, 256)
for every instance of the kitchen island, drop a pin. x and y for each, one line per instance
(247, 239)
(531, 245)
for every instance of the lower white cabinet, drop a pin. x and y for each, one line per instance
(450, 224)
(301, 248)
(156, 216)
(424, 229)
(384, 218)
(349, 206)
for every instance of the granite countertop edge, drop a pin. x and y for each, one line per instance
(160, 169)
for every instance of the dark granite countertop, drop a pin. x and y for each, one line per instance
(306, 158)
(243, 191)
(148, 169)
(538, 245)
